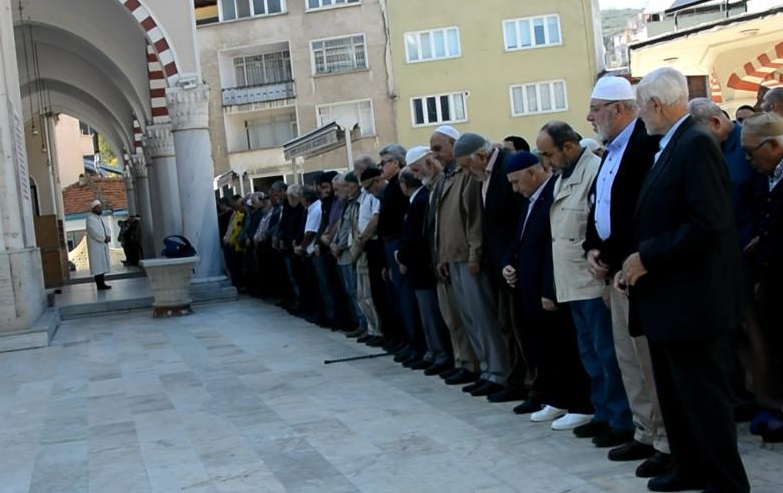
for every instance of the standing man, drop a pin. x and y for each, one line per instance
(558, 144)
(460, 254)
(773, 101)
(98, 245)
(501, 208)
(609, 240)
(683, 285)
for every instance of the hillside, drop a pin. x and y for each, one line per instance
(613, 21)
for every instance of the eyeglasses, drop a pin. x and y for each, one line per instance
(595, 109)
(750, 152)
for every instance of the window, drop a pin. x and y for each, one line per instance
(264, 133)
(539, 97)
(348, 113)
(442, 108)
(238, 9)
(532, 32)
(339, 54)
(258, 70)
(320, 4)
(432, 45)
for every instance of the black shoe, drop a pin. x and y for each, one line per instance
(657, 465)
(450, 373)
(462, 377)
(397, 347)
(403, 355)
(675, 480)
(377, 342)
(530, 405)
(438, 369)
(508, 394)
(364, 338)
(632, 450)
(591, 429)
(473, 386)
(612, 437)
(421, 365)
(104, 287)
(408, 363)
(487, 389)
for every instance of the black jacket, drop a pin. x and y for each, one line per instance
(414, 247)
(636, 162)
(686, 236)
(501, 217)
(769, 252)
(394, 204)
(531, 254)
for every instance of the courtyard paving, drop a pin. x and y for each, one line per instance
(237, 398)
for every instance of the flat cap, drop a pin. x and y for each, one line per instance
(519, 161)
(370, 173)
(467, 144)
(763, 125)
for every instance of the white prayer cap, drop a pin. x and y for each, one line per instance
(448, 131)
(95, 203)
(416, 153)
(613, 89)
(592, 145)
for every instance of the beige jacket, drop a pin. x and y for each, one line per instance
(460, 208)
(569, 214)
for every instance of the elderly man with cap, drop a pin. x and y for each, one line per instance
(762, 139)
(416, 263)
(98, 245)
(460, 254)
(629, 154)
(548, 335)
(432, 171)
(577, 290)
(485, 163)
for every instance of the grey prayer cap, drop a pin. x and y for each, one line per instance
(467, 144)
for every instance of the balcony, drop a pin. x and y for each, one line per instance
(265, 96)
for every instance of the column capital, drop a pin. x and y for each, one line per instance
(188, 107)
(139, 166)
(158, 142)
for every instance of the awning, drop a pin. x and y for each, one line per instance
(226, 178)
(738, 54)
(320, 140)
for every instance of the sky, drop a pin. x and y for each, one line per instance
(619, 4)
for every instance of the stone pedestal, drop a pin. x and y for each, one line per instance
(170, 281)
(189, 111)
(22, 299)
(164, 189)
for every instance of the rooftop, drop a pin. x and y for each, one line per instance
(110, 191)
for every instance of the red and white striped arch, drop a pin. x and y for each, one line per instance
(716, 94)
(160, 112)
(156, 37)
(764, 70)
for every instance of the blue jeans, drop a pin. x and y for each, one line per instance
(593, 322)
(404, 300)
(348, 277)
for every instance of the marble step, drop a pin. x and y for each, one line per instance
(39, 335)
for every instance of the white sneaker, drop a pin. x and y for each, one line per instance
(571, 421)
(549, 413)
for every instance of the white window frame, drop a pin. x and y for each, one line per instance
(333, 5)
(440, 121)
(353, 101)
(251, 5)
(533, 46)
(314, 70)
(538, 84)
(431, 32)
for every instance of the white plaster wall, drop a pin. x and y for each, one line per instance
(70, 149)
(177, 19)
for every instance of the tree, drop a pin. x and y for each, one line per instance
(105, 151)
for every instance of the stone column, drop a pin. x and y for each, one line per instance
(164, 189)
(22, 295)
(189, 111)
(130, 190)
(144, 206)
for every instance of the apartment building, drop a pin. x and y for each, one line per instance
(282, 69)
(496, 67)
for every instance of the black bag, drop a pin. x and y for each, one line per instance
(177, 247)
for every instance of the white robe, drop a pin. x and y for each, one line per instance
(97, 248)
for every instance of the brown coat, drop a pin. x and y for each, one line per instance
(459, 220)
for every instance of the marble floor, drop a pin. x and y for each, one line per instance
(236, 398)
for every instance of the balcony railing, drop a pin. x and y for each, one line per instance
(236, 96)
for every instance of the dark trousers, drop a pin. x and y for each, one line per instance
(332, 293)
(404, 301)
(697, 411)
(376, 262)
(550, 343)
(100, 280)
(509, 319)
